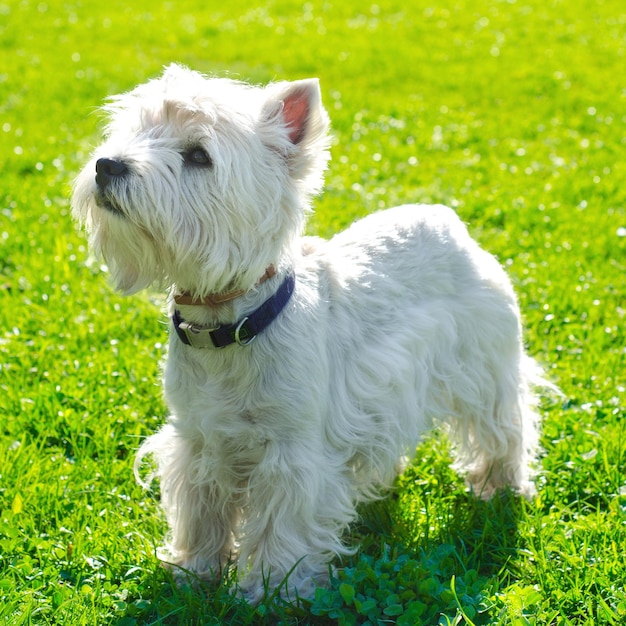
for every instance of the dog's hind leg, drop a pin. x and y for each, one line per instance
(497, 430)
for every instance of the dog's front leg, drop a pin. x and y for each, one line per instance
(299, 501)
(200, 508)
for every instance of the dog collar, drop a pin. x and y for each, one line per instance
(215, 299)
(242, 332)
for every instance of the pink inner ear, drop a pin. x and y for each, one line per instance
(296, 115)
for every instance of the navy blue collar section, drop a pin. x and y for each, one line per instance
(242, 332)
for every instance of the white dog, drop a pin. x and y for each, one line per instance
(301, 372)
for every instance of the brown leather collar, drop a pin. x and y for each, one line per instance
(215, 299)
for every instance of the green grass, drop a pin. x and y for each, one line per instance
(513, 112)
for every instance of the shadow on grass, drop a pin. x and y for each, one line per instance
(439, 566)
(403, 573)
(439, 560)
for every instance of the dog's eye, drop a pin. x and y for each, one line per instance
(197, 156)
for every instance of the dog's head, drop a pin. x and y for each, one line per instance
(202, 182)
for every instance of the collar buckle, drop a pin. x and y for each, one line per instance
(193, 335)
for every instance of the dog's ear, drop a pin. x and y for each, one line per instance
(300, 103)
(295, 124)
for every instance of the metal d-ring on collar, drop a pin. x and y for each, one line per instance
(242, 332)
(238, 339)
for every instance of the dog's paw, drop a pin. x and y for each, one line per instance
(485, 487)
(291, 588)
(191, 572)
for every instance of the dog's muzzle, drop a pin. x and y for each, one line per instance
(108, 171)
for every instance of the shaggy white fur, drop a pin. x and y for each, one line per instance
(397, 324)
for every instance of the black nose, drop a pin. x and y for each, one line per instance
(108, 170)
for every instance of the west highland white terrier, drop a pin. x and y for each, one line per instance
(300, 372)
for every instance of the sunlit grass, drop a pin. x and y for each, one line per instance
(511, 112)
